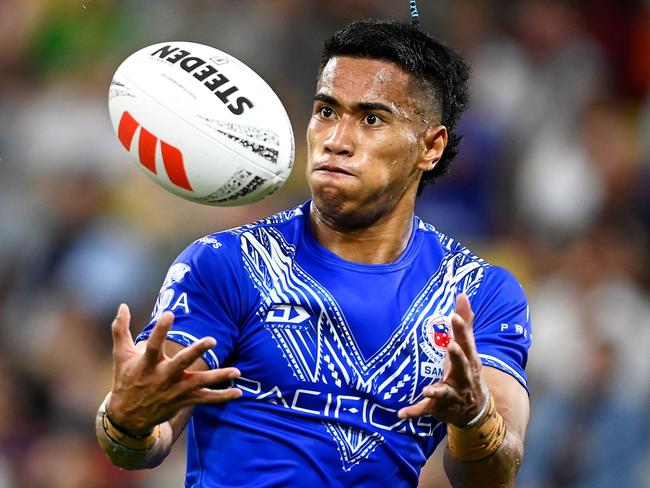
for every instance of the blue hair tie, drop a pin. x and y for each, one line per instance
(415, 16)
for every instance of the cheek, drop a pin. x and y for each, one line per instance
(310, 134)
(391, 156)
(312, 138)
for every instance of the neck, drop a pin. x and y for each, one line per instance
(379, 243)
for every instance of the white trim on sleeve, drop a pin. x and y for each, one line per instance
(505, 366)
(192, 340)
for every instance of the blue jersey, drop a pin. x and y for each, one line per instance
(329, 351)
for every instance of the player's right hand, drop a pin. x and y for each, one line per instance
(149, 387)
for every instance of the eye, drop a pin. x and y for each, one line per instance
(373, 119)
(326, 112)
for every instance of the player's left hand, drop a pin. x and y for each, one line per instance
(461, 393)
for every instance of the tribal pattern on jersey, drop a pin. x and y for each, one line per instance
(323, 352)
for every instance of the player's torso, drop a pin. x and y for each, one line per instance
(347, 344)
(334, 349)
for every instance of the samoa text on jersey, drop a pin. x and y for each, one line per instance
(329, 351)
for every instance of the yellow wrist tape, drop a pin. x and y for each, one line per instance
(480, 440)
(139, 443)
(125, 450)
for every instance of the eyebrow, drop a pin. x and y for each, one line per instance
(363, 106)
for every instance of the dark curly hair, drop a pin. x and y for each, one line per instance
(440, 73)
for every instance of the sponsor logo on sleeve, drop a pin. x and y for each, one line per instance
(175, 274)
(518, 329)
(210, 241)
(168, 299)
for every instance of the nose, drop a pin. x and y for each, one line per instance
(340, 140)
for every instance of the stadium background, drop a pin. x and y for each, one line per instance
(552, 183)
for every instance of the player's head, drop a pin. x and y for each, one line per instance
(439, 75)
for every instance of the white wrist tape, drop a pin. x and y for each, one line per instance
(481, 412)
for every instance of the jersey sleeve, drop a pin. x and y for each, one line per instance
(502, 323)
(202, 289)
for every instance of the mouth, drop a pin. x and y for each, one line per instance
(331, 168)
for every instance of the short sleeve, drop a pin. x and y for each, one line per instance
(502, 323)
(201, 289)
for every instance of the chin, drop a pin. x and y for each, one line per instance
(341, 212)
(330, 203)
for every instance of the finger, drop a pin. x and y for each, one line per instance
(212, 377)
(464, 308)
(153, 352)
(438, 391)
(194, 381)
(184, 358)
(462, 323)
(459, 373)
(423, 407)
(207, 395)
(122, 338)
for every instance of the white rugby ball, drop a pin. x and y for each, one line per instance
(201, 124)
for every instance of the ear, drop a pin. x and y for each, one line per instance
(435, 141)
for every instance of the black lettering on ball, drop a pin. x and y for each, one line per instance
(164, 51)
(206, 71)
(240, 105)
(174, 58)
(216, 82)
(191, 63)
(223, 95)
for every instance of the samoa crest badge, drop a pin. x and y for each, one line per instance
(436, 335)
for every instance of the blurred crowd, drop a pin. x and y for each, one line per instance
(551, 182)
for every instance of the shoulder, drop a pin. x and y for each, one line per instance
(447, 245)
(491, 279)
(503, 279)
(231, 254)
(454, 258)
(227, 244)
(289, 218)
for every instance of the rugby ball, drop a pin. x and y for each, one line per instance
(201, 123)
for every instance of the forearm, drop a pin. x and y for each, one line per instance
(496, 471)
(484, 452)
